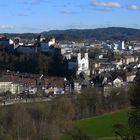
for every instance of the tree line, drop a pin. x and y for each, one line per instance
(111, 33)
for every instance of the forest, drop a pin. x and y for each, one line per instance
(32, 63)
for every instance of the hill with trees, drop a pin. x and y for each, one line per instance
(111, 33)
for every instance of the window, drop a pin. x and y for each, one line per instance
(83, 66)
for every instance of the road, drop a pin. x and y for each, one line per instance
(28, 100)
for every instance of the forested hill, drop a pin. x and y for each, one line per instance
(111, 33)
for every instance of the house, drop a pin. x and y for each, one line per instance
(106, 67)
(51, 42)
(4, 43)
(81, 82)
(39, 45)
(127, 59)
(29, 82)
(130, 78)
(107, 89)
(77, 87)
(26, 49)
(118, 82)
(10, 86)
(32, 90)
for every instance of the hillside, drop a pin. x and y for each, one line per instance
(111, 33)
(101, 127)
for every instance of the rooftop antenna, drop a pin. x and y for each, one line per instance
(41, 76)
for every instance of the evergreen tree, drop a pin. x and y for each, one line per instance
(134, 117)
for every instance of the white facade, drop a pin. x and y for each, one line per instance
(51, 42)
(68, 56)
(83, 64)
(123, 45)
(77, 87)
(5, 86)
(118, 82)
(33, 90)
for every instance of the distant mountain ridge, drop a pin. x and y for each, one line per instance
(110, 33)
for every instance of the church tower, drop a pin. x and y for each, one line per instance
(123, 45)
(83, 64)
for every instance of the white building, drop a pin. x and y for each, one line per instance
(51, 42)
(77, 87)
(118, 82)
(32, 90)
(83, 64)
(123, 45)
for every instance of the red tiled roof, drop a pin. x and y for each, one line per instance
(32, 79)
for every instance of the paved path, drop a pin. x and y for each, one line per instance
(29, 100)
(109, 138)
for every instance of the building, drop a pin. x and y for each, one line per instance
(130, 78)
(129, 59)
(4, 43)
(83, 64)
(77, 87)
(10, 86)
(118, 82)
(32, 83)
(51, 42)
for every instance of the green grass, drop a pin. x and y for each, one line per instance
(102, 126)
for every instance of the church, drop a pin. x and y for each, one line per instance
(83, 64)
(79, 64)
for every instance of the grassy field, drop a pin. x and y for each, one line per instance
(101, 127)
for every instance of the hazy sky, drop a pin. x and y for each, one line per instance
(43, 15)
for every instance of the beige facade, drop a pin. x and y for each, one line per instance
(118, 82)
(130, 78)
(129, 59)
(9, 86)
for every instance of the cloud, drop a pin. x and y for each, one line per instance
(110, 5)
(68, 12)
(3, 5)
(34, 2)
(104, 9)
(25, 2)
(38, 1)
(5, 26)
(134, 8)
(22, 14)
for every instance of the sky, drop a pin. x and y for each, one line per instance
(35, 16)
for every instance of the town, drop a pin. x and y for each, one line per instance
(69, 70)
(83, 64)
